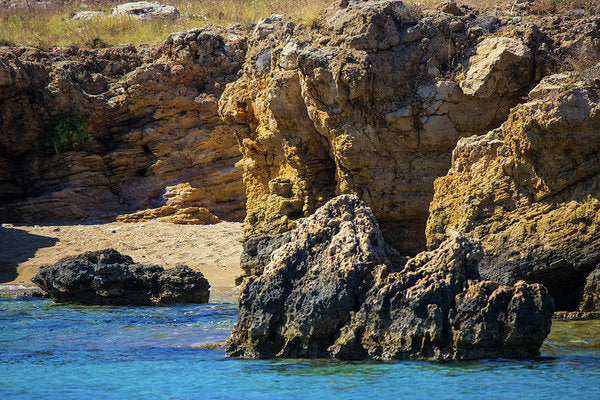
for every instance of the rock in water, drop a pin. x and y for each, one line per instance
(336, 289)
(106, 277)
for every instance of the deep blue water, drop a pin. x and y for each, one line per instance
(63, 352)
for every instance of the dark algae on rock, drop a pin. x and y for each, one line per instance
(336, 289)
(106, 277)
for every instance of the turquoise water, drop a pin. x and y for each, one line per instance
(61, 352)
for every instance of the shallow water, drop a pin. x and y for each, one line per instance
(63, 352)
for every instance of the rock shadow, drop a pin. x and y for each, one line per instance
(17, 246)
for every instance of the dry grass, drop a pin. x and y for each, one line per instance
(49, 24)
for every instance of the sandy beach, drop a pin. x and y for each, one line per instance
(213, 250)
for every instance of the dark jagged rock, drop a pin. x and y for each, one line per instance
(107, 277)
(333, 291)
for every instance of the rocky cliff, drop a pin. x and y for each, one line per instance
(530, 190)
(372, 99)
(152, 113)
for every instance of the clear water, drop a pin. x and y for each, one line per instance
(60, 352)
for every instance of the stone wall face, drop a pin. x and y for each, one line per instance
(153, 116)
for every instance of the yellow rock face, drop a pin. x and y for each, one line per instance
(153, 113)
(185, 216)
(531, 190)
(339, 110)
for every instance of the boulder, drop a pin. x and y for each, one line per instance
(146, 10)
(87, 15)
(336, 289)
(530, 190)
(106, 277)
(500, 66)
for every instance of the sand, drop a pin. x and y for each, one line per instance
(213, 250)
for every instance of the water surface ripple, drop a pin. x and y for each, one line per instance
(66, 352)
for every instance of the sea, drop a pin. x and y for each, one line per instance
(50, 351)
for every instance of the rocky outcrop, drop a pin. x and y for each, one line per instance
(372, 100)
(180, 208)
(530, 190)
(146, 10)
(337, 290)
(108, 278)
(184, 216)
(152, 112)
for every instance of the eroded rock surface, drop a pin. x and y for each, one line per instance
(337, 290)
(146, 10)
(153, 116)
(371, 101)
(108, 278)
(530, 190)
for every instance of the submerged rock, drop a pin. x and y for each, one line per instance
(106, 277)
(336, 289)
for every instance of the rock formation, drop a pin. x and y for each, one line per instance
(146, 10)
(180, 209)
(108, 278)
(371, 101)
(590, 300)
(337, 290)
(152, 112)
(530, 190)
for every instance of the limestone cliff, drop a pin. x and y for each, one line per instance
(370, 101)
(530, 190)
(152, 112)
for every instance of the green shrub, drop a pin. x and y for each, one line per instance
(64, 131)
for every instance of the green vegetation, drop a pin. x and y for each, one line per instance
(64, 131)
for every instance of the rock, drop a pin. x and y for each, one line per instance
(336, 289)
(186, 216)
(371, 101)
(87, 15)
(438, 308)
(500, 66)
(350, 108)
(590, 300)
(311, 286)
(147, 10)
(450, 7)
(108, 278)
(153, 115)
(530, 190)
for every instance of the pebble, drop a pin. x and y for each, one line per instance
(7, 225)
